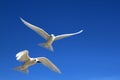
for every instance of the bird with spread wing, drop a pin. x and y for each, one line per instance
(23, 56)
(49, 38)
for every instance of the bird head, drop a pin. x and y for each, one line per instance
(36, 60)
(52, 35)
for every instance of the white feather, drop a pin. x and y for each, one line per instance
(38, 30)
(46, 62)
(22, 56)
(67, 35)
(49, 38)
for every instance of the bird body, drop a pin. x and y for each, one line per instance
(48, 43)
(49, 38)
(29, 63)
(24, 57)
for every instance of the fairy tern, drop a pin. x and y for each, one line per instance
(49, 38)
(23, 56)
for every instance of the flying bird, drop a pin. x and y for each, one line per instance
(49, 38)
(23, 56)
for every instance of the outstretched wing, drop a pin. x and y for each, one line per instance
(67, 35)
(23, 56)
(38, 30)
(46, 62)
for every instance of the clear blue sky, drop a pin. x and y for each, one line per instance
(91, 55)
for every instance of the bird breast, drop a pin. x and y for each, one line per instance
(50, 40)
(29, 63)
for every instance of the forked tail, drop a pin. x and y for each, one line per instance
(21, 69)
(44, 45)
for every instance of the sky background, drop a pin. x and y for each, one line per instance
(91, 55)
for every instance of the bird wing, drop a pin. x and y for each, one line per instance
(22, 56)
(67, 35)
(46, 62)
(38, 30)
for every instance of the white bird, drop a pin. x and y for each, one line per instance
(28, 61)
(49, 38)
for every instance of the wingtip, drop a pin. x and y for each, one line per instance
(21, 19)
(59, 72)
(80, 31)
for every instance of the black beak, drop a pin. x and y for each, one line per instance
(38, 62)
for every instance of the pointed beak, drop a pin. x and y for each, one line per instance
(38, 62)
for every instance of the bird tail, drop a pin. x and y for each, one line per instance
(21, 69)
(45, 45)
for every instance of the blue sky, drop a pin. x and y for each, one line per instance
(91, 55)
